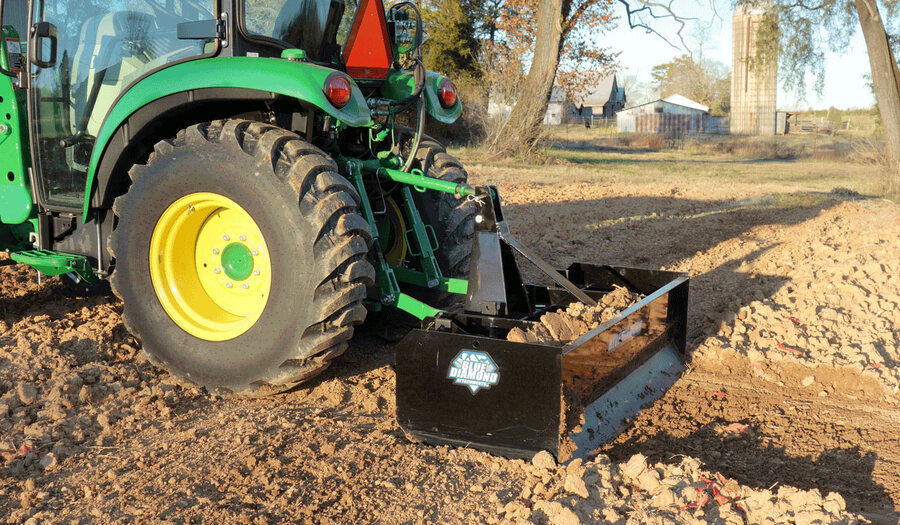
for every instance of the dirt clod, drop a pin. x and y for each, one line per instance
(568, 324)
(543, 460)
(27, 393)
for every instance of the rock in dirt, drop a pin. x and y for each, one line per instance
(575, 485)
(635, 466)
(679, 493)
(48, 461)
(27, 393)
(544, 460)
(648, 481)
(558, 514)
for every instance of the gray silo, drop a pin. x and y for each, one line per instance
(753, 83)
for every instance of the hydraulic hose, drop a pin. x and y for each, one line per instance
(420, 127)
(420, 76)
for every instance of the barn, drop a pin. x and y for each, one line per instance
(674, 114)
(559, 109)
(603, 100)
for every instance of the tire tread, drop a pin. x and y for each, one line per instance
(329, 203)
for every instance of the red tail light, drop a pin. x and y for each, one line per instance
(368, 51)
(338, 90)
(447, 93)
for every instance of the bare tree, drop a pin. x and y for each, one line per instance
(523, 127)
(637, 92)
(556, 22)
(705, 81)
(885, 77)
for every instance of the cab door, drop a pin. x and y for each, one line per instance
(15, 191)
(83, 55)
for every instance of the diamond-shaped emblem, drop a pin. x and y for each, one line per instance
(473, 369)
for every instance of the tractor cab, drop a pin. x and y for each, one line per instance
(85, 55)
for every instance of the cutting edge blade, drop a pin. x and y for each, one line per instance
(607, 416)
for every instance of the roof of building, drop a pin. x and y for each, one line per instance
(603, 91)
(686, 102)
(599, 95)
(677, 100)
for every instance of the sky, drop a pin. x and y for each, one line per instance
(845, 86)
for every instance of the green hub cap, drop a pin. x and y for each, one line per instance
(237, 261)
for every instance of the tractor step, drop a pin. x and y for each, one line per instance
(52, 263)
(461, 383)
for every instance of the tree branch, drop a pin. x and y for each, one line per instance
(647, 6)
(802, 5)
(576, 16)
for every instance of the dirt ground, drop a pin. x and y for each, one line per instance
(792, 384)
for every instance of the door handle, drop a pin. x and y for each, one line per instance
(39, 32)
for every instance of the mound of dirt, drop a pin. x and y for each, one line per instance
(564, 326)
(839, 306)
(637, 491)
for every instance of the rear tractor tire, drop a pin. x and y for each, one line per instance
(240, 258)
(452, 219)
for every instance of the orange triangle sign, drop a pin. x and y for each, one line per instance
(367, 54)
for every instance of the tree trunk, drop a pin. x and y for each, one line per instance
(523, 128)
(886, 78)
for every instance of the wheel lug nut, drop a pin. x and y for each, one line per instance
(243, 237)
(255, 272)
(245, 286)
(216, 270)
(255, 252)
(215, 251)
(226, 238)
(227, 285)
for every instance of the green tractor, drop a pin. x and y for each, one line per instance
(236, 171)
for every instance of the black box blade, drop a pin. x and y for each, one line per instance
(516, 415)
(478, 390)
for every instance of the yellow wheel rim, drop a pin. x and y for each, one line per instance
(210, 266)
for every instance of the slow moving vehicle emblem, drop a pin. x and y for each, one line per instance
(475, 370)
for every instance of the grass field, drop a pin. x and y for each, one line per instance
(805, 163)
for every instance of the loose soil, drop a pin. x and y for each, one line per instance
(570, 323)
(788, 291)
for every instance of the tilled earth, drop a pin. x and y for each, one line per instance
(788, 414)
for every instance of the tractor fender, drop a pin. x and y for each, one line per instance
(400, 85)
(222, 78)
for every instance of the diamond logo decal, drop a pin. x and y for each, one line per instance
(475, 370)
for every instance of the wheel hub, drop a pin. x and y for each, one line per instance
(210, 266)
(237, 260)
